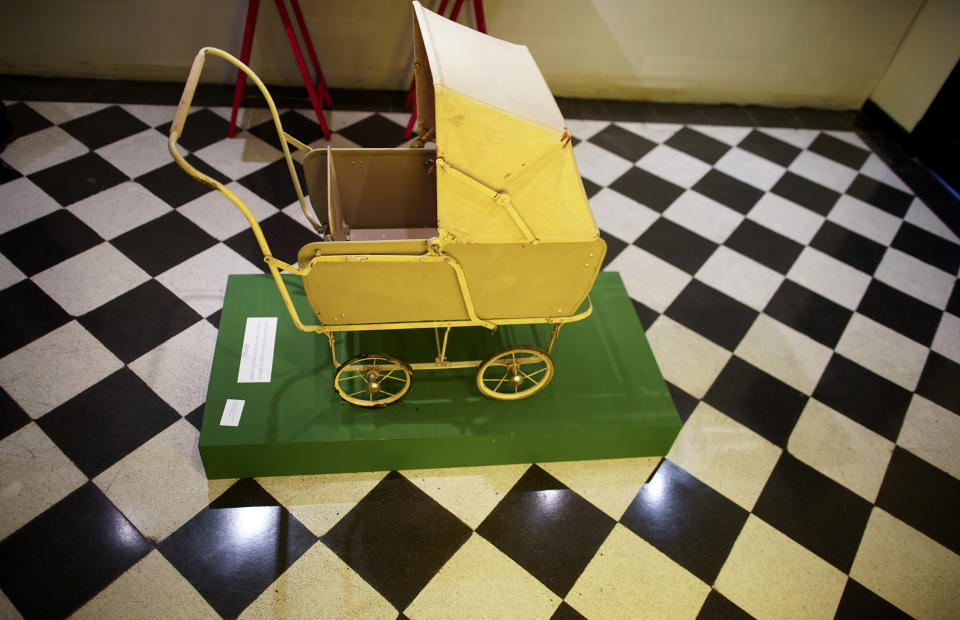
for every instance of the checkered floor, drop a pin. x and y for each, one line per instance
(801, 301)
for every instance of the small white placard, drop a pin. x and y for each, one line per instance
(231, 413)
(256, 357)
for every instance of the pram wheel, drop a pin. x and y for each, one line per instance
(373, 380)
(514, 373)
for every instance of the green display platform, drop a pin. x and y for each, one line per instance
(607, 398)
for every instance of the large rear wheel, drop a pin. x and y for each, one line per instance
(373, 380)
(514, 373)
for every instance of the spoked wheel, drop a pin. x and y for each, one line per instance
(514, 373)
(373, 380)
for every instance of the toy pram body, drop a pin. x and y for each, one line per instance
(492, 227)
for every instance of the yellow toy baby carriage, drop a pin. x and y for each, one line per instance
(491, 227)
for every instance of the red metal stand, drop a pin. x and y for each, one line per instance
(317, 92)
(412, 93)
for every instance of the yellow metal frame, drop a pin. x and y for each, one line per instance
(434, 251)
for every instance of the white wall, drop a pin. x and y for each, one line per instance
(826, 53)
(929, 52)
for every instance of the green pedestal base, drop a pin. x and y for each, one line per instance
(607, 398)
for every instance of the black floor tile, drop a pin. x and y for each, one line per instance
(684, 403)
(839, 151)
(823, 516)
(718, 607)
(175, 187)
(858, 602)
(374, 131)
(646, 315)
(78, 178)
(195, 417)
(12, 416)
(104, 127)
(953, 304)
(806, 193)
(214, 319)
(901, 312)
(626, 144)
(163, 243)
(590, 188)
(284, 235)
(849, 247)
(397, 538)
(7, 173)
(764, 246)
(119, 324)
(728, 191)
(273, 183)
(233, 549)
(614, 247)
(553, 540)
(108, 421)
(25, 120)
(676, 245)
(771, 148)
(19, 327)
(809, 313)
(294, 123)
(880, 195)
(939, 382)
(46, 241)
(863, 396)
(928, 247)
(566, 612)
(758, 401)
(647, 189)
(697, 144)
(710, 313)
(202, 128)
(61, 559)
(673, 509)
(922, 496)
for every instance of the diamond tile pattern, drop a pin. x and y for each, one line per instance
(788, 254)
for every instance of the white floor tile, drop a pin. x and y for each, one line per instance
(24, 202)
(932, 433)
(947, 340)
(704, 216)
(725, 454)
(865, 219)
(673, 165)
(63, 111)
(829, 277)
(883, 350)
(787, 218)
(841, 449)
(119, 209)
(740, 277)
(239, 156)
(649, 279)
(849, 137)
(583, 129)
(750, 168)
(220, 218)
(90, 279)
(152, 115)
(783, 352)
(599, 165)
(201, 281)
(686, 359)
(655, 132)
(54, 368)
(9, 274)
(470, 493)
(877, 170)
(823, 170)
(139, 153)
(340, 119)
(621, 217)
(920, 215)
(800, 138)
(42, 149)
(728, 135)
(178, 369)
(913, 276)
(35, 475)
(609, 484)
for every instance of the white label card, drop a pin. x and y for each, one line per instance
(256, 357)
(231, 413)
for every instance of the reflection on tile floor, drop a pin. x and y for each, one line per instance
(800, 297)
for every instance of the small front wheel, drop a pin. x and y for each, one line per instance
(373, 380)
(514, 373)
